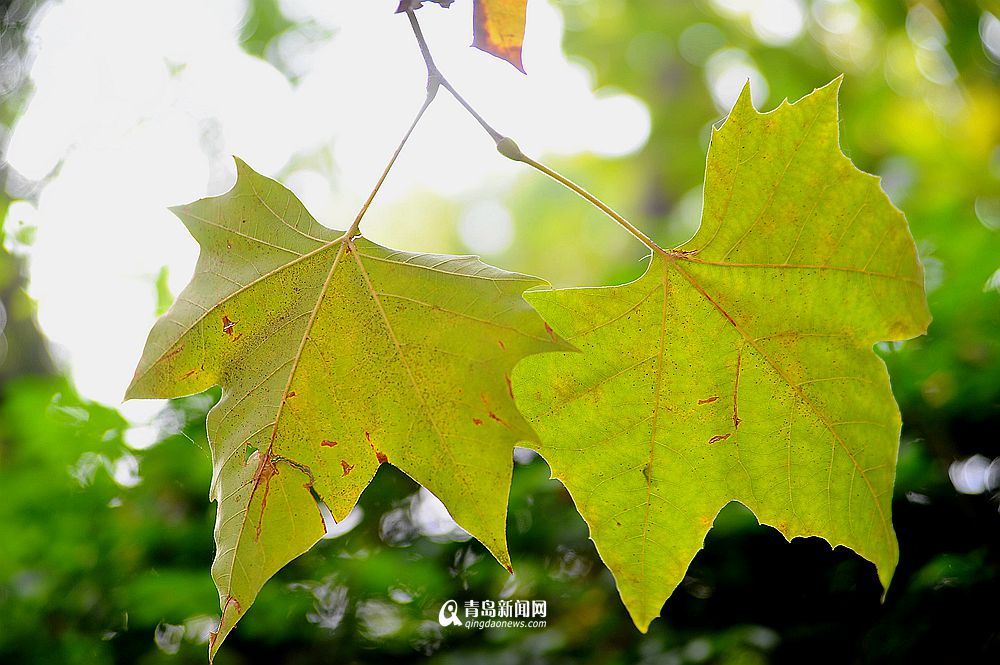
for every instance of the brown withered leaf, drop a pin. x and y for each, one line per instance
(497, 26)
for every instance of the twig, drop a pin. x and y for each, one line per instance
(509, 149)
(353, 229)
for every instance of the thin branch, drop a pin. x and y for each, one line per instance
(508, 148)
(424, 49)
(353, 229)
(494, 134)
(434, 74)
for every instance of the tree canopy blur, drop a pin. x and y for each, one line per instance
(109, 540)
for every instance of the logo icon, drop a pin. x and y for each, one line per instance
(448, 616)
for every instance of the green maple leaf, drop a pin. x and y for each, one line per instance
(336, 356)
(739, 366)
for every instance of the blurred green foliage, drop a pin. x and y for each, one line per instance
(105, 550)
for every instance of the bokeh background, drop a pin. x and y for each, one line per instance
(111, 110)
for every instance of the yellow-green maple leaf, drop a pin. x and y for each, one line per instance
(336, 356)
(739, 366)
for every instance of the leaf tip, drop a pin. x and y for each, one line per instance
(831, 90)
(503, 556)
(509, 54)
(886, 569)
(227, 621)
(242, 168)
(569, 347)
(134, 389)
(244, 172)
(515, 60)
(642, 622)
(214, 642)
(497, 546)
(744, 102)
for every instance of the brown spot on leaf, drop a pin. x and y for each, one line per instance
(510, 386)
(346, 467)
(232, 601)
(510, 569)
(379, 455)
(173, 352)
(502, 345)
(228, 325)
(550, 331)
(290, 395)
(328, 443)
(705, 521)
(189, 374)
(720, 437)
(477, 421)
(265, 472)
(736, 390)
(709, 400)
(499, 420)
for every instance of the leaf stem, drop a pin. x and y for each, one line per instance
(432, 89)
(434, 74)
(509, 149)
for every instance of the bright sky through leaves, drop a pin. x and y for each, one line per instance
(159, 107)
